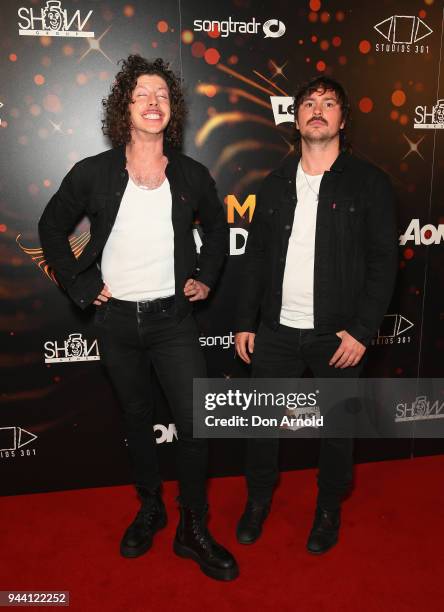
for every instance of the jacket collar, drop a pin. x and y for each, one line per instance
(289, 167)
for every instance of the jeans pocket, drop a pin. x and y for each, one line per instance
(101, 313)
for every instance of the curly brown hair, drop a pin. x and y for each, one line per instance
(116, 121)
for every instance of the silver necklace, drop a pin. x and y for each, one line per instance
(316, 193)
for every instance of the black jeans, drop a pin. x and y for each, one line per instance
(131, 343)
(286, 353)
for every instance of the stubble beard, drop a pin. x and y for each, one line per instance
(318, 137)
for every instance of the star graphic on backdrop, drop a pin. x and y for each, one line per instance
(413, 146)
(57, 126)
(278, 70)
(94, 45)
(290, 146)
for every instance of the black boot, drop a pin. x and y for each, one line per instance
(193, 541)
(250, 524)
(325, 530)
(151, 517)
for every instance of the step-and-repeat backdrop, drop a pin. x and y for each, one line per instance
(240, 61)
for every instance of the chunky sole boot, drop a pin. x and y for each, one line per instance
(250, 523)
(225, 574)
(325, 531)
(138, 538)
(194, 541)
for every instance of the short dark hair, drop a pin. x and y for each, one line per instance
(116, 120)
(323, 84)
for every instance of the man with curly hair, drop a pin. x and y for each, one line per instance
(140, 271)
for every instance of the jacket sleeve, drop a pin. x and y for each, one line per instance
(215, 240)
(60, 216)
(252, 279)
(381, 261)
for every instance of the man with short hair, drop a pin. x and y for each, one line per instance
(320, 266)
(142, 197)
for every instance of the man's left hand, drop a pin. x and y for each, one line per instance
(349, 352)
(195, 290)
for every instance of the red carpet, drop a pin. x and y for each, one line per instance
(389, 556)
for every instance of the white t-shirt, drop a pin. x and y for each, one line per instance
(138, 258)
(297, 290)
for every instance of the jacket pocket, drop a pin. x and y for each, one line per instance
(347, 216)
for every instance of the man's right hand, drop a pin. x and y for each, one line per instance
(103, 296)
(244, 343)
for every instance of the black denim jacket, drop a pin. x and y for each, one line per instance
(95, 186)
(356, 250)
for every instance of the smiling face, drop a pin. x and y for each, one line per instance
(54, 18)
(319, 117)
(150, 107)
